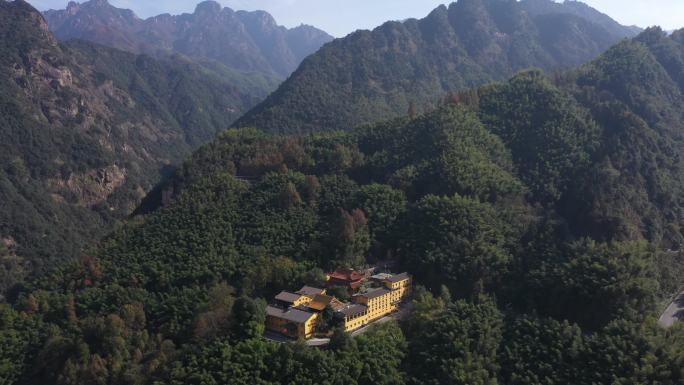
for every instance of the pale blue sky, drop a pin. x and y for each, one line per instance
(340, 17)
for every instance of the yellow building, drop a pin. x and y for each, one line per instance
(377, 303)
(355, 316)
(291, 322)
(296, 314)
(286, 299)
(400, 285)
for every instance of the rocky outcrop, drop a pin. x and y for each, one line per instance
(7, 244)
(89, 188)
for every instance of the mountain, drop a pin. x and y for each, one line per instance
(598, 146)
(534, 216)
(374, 75)
(245, 41)
(87, 130)
(578, 8)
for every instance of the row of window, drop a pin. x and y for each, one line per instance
(355, 325)
(358, 315)
(373, 315)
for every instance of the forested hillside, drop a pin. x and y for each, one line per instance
(241, 40)
(87, 130)
(534, 214)
(370, 76)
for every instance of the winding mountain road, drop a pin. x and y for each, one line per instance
(673, 313)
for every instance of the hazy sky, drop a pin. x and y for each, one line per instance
(339, 17)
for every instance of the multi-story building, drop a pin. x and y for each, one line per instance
(291, 322)
(378, 302)
(399, 285)
(297, 314)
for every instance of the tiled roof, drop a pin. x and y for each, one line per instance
(352, 310)
(398, 277)
(374, 293)
(310, 291)
(346, 275)
(336, 304)
(287, 297)
(273, 311)
(320, 301)
(293, 315)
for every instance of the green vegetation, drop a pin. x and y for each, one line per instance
(371, 76)
(87, 130)
(534, 214)
(456, 242)
(458, 346)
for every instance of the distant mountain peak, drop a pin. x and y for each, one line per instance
(92, 5)
(261, 19)
(208, 7)
(73, 7)
(442, 11)
(245, 41)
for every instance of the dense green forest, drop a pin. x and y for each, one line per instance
(88, 130)
(539, 217)
(371, 76)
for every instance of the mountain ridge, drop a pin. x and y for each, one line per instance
(379, 74)
(246, 41)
